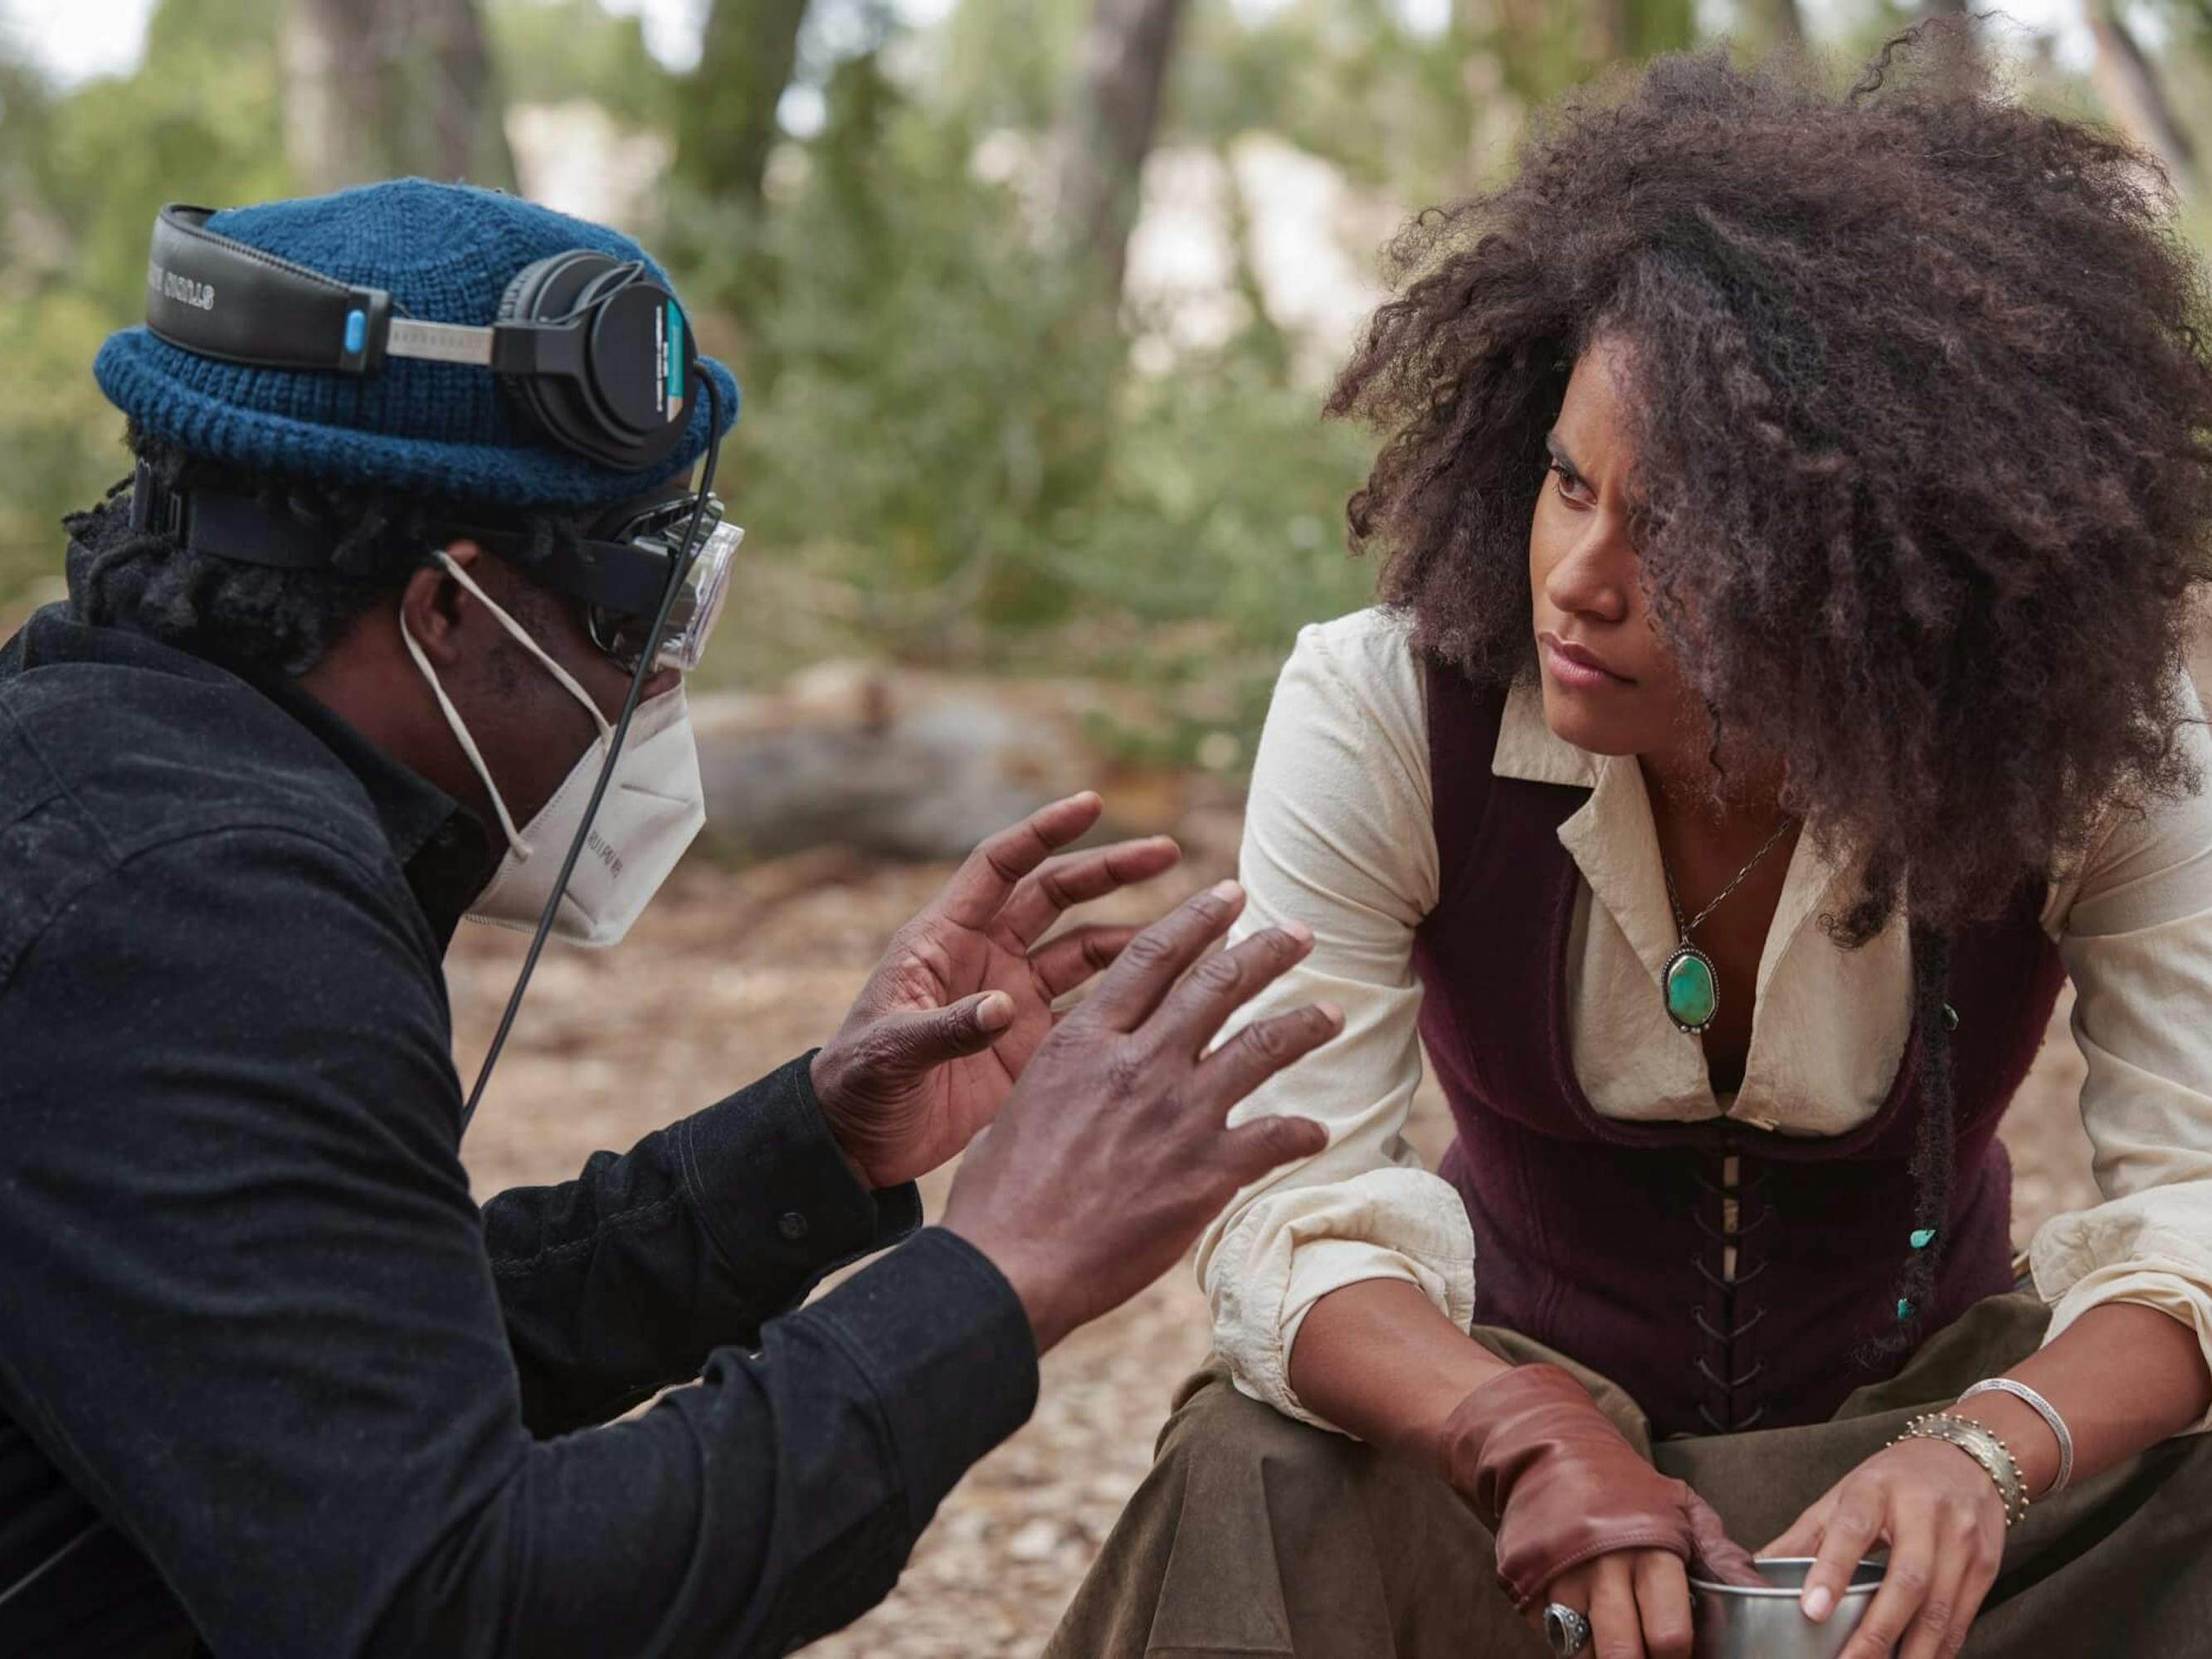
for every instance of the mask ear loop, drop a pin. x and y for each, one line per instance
(688, 552)
(569, 683)
(460, 731)
(459, 728)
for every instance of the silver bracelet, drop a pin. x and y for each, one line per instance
(1982, 1443)
(2044, 1410)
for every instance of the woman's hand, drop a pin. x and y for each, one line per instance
(1637, 1602)
(964, 997)
(1944, 1521)
(1577, 1509)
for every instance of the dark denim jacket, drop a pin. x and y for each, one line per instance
(269, 1379)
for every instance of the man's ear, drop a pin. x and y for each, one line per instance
(431, 604)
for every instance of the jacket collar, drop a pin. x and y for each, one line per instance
(1614, 843)
(440, 844)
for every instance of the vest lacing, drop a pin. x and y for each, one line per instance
(1721, 1354)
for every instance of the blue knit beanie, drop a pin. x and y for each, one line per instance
(445, 252)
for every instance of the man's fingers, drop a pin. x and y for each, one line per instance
(1198, 1007)
(1663, 1603)
(1262, 1049)
(920, 1041)
(1061, 964)
(1058, 885)
(1149, 966)
(981, 884)
(1251, 1150)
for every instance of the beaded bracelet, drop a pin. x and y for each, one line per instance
(1983, 1446)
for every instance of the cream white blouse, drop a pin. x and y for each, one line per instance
(1338, 835)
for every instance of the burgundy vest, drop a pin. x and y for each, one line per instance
(1604, 1239)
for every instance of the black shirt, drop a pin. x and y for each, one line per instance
(268, 1373)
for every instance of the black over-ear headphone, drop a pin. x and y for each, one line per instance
(594, 350)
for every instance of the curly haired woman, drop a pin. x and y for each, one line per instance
(1790, 504)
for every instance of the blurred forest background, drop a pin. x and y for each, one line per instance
(1033, 300)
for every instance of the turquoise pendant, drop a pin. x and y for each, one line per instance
(1694, 995)
(1923, 1237)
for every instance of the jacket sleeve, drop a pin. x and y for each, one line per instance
(249, 1313)
(622, 1280)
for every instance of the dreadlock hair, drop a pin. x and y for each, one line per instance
(1934, 1145)
(252, 618)
(1917, 385)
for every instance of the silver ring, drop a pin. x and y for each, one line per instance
(1567, 1630)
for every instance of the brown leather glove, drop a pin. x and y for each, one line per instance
(1548, 1473)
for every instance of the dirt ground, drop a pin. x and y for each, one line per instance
(731, 973)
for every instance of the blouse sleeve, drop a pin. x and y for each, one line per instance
(2136, 938)
(1338, 835)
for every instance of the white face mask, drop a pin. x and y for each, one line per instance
(654, 806)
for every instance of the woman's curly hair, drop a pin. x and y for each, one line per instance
(1923, 419)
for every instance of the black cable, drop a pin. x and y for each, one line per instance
(687, 552)
(53, 1561)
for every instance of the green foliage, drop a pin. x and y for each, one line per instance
(925, 394)
(728, 104)
(947, 453)
(552, 52)
(1008, 64)
(82, 177)
(1344, 79)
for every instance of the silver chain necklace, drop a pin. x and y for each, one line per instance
(1691, 986)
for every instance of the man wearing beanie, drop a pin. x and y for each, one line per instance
(387, 628)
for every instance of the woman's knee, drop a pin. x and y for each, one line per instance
(1215, 1424)
(1248, 1468)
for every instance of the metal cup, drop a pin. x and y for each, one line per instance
(1737, 1623)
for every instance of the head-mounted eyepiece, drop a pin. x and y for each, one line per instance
(656, 532)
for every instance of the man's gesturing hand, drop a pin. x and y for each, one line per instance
(1113, 1152)
(964, 996)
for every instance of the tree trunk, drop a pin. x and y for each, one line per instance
(380, 88)
(727, 127)
(1495, 106)
(1616, 31)
(2128, 81)
(1777, 22)
(1602, 36)
(1108, 129)
(466, 129)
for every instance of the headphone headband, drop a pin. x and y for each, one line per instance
(218, 298)
(597, 350)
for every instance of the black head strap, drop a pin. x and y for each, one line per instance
(244, 529)
(228, 525)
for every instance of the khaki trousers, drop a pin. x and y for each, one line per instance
(1256, 1534)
